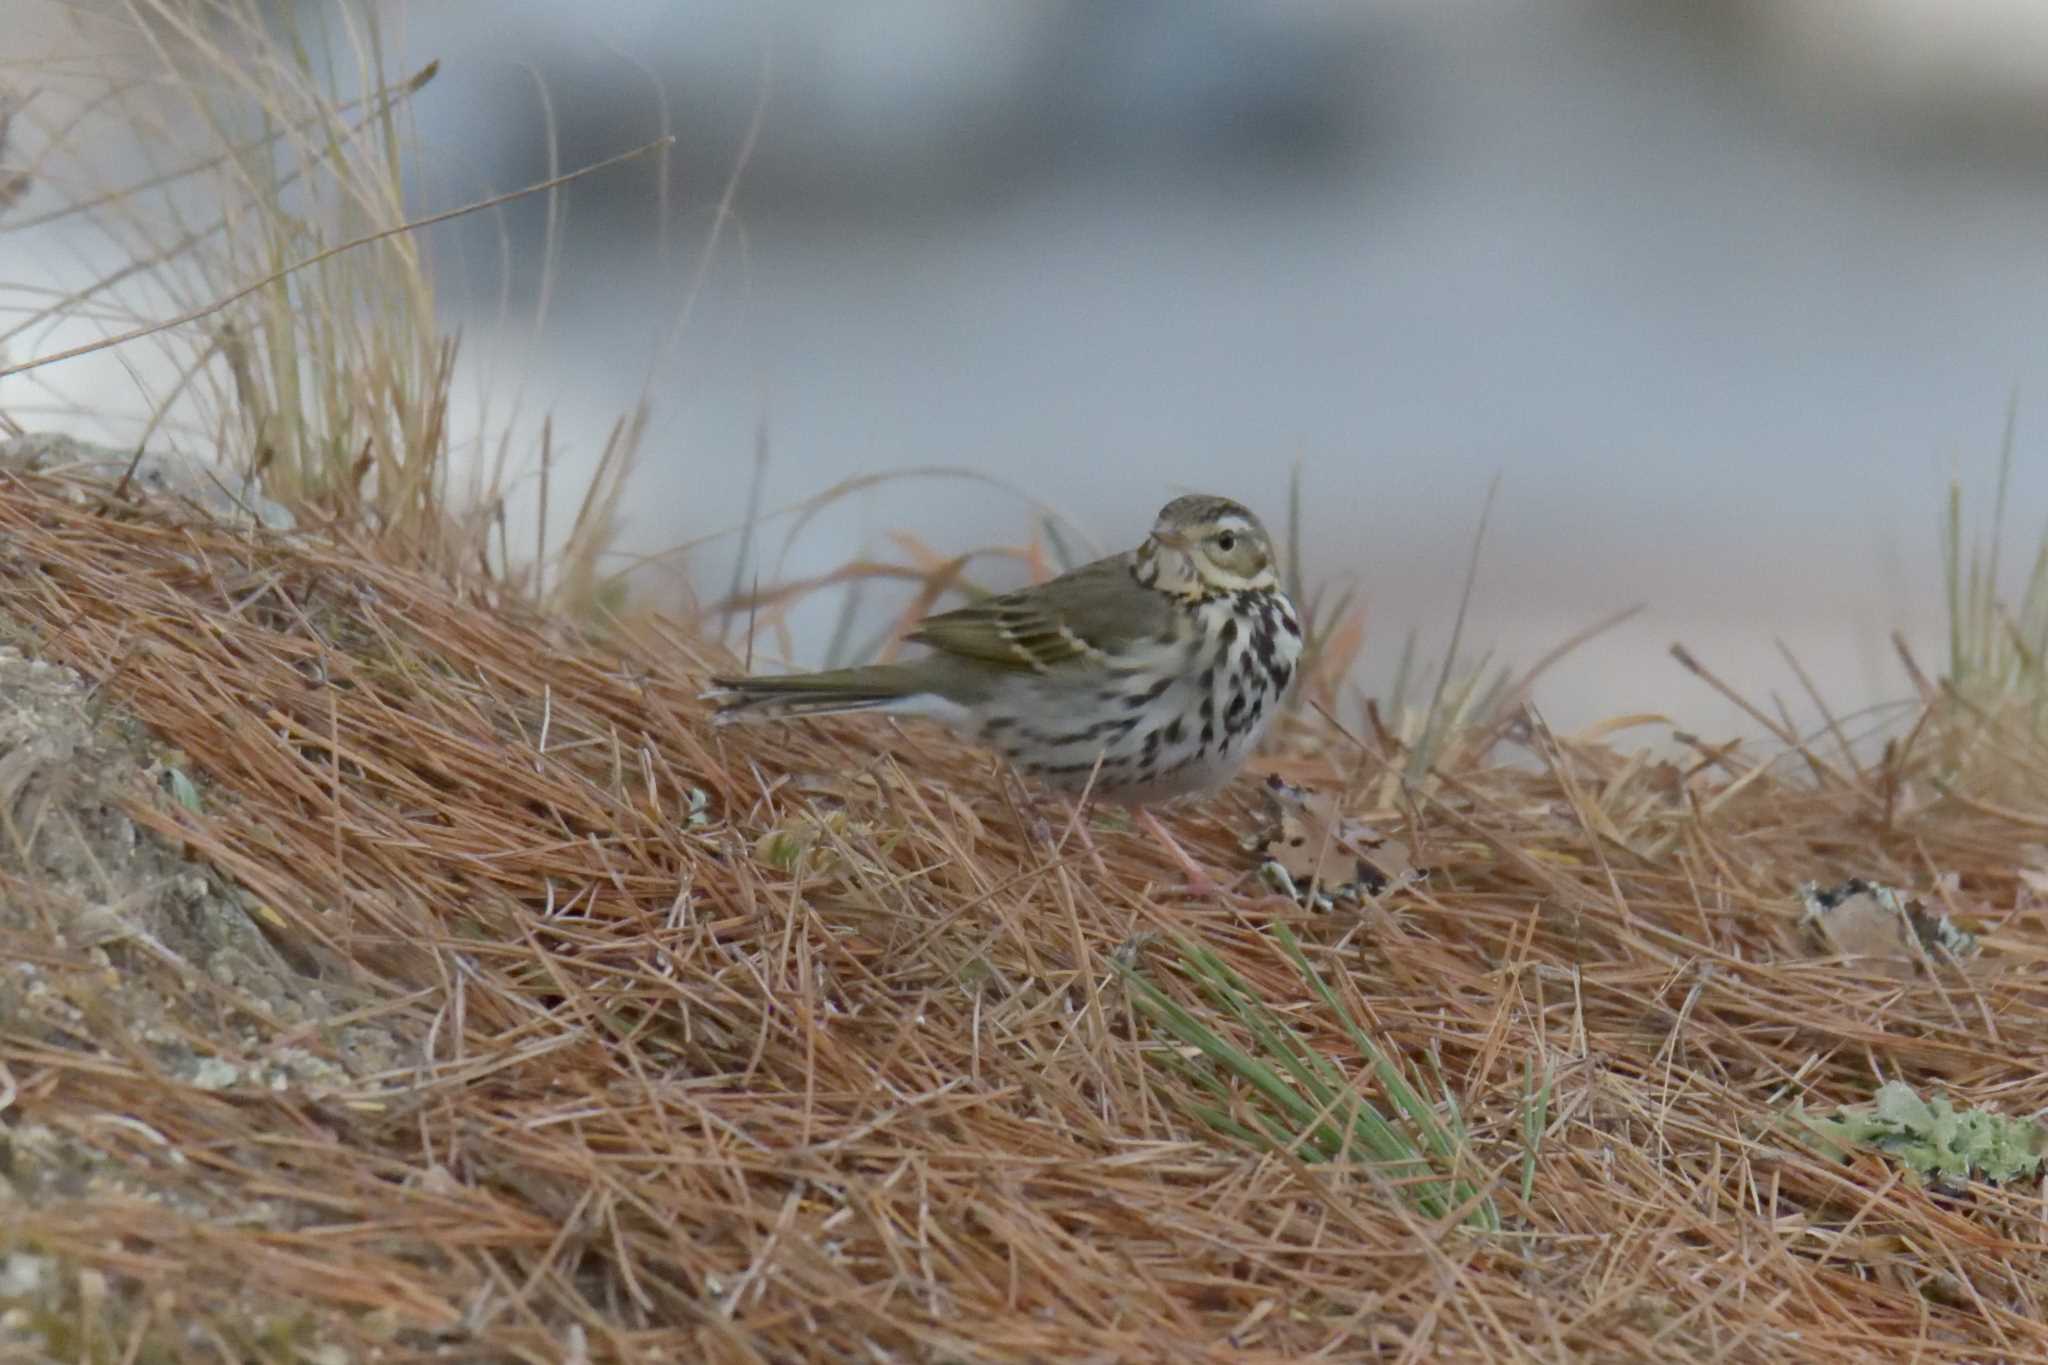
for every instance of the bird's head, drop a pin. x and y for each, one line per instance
(1206, 547)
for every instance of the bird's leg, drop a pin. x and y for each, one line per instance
(1199, 880)
(1077, 828)
(1042, 829)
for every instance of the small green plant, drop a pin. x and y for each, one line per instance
(1298, 1100)
(1931, 1137)
(1535, 1120)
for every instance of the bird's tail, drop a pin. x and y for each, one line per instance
(873, 688)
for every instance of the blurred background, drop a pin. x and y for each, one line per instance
(1724, 291)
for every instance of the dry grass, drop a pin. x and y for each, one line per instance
(233, 184)
(811, 1044)
(676, 1098)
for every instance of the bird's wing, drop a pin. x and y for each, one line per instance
(1081, 615)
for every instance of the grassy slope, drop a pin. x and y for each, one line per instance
(808, 1043)
(681, 1096)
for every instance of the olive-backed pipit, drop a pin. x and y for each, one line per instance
(1141, 678)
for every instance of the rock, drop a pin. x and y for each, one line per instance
(220, 493)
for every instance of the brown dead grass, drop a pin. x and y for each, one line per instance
(670, 1102)
(668, 1097)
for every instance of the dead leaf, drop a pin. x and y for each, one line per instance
(1312, 854)
(1868, 920)
(1667, 779)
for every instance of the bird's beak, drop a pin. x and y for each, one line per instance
(1173, 540)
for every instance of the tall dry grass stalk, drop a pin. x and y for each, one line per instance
(242, 181)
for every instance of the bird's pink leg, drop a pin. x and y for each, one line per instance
(1199, 880)
(1077, 828)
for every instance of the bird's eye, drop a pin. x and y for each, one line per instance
(1227, 541)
